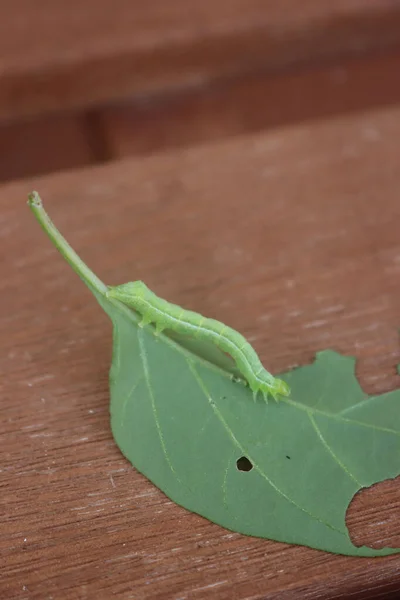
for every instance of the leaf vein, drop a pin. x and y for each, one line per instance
(145, 364)
(337, 417)
(116, 358)
(127, 398)
(331, 452)
(224, 482)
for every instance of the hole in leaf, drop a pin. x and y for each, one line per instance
(243, 464)
(373, 515)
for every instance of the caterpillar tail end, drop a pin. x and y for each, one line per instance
(281, 388)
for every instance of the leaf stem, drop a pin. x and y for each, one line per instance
(87, 276)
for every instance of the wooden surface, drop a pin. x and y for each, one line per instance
(56, 54)
(224, 110)
(290, 236)
(44, 144)
(248, 104)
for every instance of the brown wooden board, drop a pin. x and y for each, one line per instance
(56, 54)
(247, 104)
(45, 144)
(292, 237)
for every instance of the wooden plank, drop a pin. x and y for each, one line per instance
(290, 237)
(248, 104)
(56, 55)
(43, 145)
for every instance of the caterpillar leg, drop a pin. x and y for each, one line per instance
(265, 396)
(145, 321)
(159, 329)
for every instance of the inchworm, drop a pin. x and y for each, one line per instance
(165, 315)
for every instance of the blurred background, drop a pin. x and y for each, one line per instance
(89, 81)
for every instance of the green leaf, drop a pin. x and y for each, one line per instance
(183, 422)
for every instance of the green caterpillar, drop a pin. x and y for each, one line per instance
(170, 316)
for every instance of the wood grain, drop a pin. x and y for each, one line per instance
(56, 55)
(248, 104)
(290, 237)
